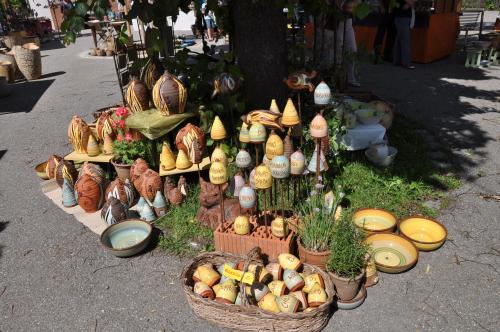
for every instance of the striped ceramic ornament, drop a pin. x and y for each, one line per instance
(114, 211)
(121, 190)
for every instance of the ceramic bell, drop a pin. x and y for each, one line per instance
(312, 279)
(268, 303)
(289, 261)
(105, 126)
(121, 190)
(219, 155)
(243, 159)
(279, 227)
(78, 134)
(247, 197)
(208, 275)
(317, 296)
(274, 146)
(237, 182)
(241, 225)
(293, 280)
(290, 116)
(312, 163)
(169, 95)
(319, 127)
(114, 211)
(280, 167)
(147, 213)
(259, 290)
(322, 94)
(301, 296)
(276, 270)
(182, 161)
(108, 145)
(218, 132)
(149, 183)
(93, 148)
(203, 290)
(160, 204)
(274, 107)
(68, 194)
(244, 136)
(257, 133)
(288, 304)
(226, 293)
(93, 170)
(51, 167)
(297, 163)
(140, 204)
(217, 173)
(251, 178)
(288, 146)
(89, 193)
(167, 159)
(263, 177)
(277, 287)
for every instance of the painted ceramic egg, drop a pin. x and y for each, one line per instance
(243, 159)
(280, 167)
(322, 94)
(247, 197)
(218, 173)
(257, 133)
(263, 177)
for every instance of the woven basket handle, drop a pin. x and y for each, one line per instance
(253, 254)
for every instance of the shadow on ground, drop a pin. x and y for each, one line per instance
(53, 45)
(24, 96)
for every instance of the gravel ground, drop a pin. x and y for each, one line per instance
(55, 276)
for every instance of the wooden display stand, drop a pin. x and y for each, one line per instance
(82, 157)
(205, 164)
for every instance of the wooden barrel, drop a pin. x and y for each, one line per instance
(29, 60)
(7, 70)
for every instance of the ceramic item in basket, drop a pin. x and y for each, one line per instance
(368, 116)
(372, 221)
(312, 279)
(317, 296)
(302, 297)
(268, 303)
(293, 280)
(226, 293)
(259, 290)
(203, 290)
(355, 302)
(277, 287)
(384, 162)
(208, 275)
(426, 234)
(289, 261)
(392, 253)
(127, 238)
(288, 303)
(276, 270)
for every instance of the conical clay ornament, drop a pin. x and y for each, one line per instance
(68, 194)
(108, 144)
(244, 134)
(218, 131)
(183, 161)
(274, 107)
(160, 204)
(290, 116)
(167, 159)
(93, 148)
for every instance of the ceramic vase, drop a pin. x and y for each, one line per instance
(160, 204)
(219, 155)
(243, 159)
(121, 190)
(182, 161)
(279, 227)
(274, 146)
(257, 133)
(108, 145)
(287, 146)
(93, 148)
(244, 136)
(274, 107)
(150, 183)
(90, 194)
(280, 167)
(319, 127)
(288, 304)
(322, 94)
(169, 95)
(68, 194)
(263, 177)
(241, 225)
(137, 96)
(51, 167)
(301, 296)
(293, 280)
(147, 213)
(218, 132)
(277, 287)
(208, 275)
(297, 163)
(203, 290)
(66, 170)
(289, 261)
(114, 211)
(167, 159)
(247, 197)
(78, 134)
(312, 279)
(317, 296)
(276, 270)
(290, 116)
(218, 173)
(268, 303)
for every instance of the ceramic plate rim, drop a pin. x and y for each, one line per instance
(376, 230)
(150, 232)
(406, 266)
(426, 218)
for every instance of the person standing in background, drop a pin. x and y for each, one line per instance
(402, 20)
(209, 22)
(348, 46)
(385, 30)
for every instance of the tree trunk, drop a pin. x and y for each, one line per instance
(260, 48)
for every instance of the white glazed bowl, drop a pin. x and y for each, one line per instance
(371, 154)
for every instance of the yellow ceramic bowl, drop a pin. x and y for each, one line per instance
(392, 253)
(40, 171)
(372, 221)
(426, 234)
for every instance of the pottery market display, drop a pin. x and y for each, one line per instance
(137, 96)
(29, 60)
(169, 95)
(78, 134)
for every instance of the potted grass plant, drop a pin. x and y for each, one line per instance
(315, 229)
(347, 260)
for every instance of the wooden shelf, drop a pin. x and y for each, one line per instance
(205, 164)
(81, 157)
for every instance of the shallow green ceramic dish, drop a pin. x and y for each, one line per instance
(127, 238)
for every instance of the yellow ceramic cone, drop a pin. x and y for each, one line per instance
(274, 107)
(183, 161)
(218, 131)
(93, 148)
(108, 144)
(290, 116)
(219, 155)
(274, 146)
(167, 159)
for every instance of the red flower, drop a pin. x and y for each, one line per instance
(121, 123)
(128, 137)
(121, 111)
(119, 138)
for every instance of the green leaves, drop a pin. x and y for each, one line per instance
(153, 41)
(361, 10)
(81, 8)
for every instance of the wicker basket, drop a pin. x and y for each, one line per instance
(29, 60)
(247, 317)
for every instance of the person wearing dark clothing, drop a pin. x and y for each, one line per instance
(386, 24)
(402, 21)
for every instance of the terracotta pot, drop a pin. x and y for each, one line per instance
(316, 258)
(122, 170)
(347, 288)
